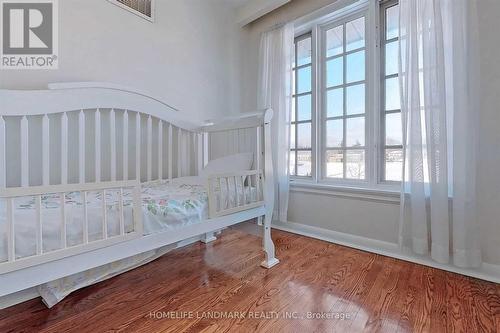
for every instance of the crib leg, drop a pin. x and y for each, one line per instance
(208, 237)
(268, 244)
(259, 220)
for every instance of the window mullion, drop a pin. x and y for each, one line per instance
(296, 111)
(315, 43)
(382, 79)
(304, 40)
(344, 90)
(373, 79)
(383, 131)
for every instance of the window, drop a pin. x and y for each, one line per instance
(346, 117)
(392, 139)
(301, 128)
(344, 91)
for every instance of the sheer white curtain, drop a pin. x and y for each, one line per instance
(275, 91)
(438, 81)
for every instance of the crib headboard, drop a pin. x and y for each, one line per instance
(92, 132)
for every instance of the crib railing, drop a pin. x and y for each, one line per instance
(9, 195)
(231, 193)
(161, 150)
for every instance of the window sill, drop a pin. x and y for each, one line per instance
(381, 194)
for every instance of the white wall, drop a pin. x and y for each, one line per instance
(489, 135)
(379, 219)
(188, 57)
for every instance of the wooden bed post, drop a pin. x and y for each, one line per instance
(208, 237)
(268, 244)
(258, 158)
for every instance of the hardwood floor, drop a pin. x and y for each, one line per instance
(188, 290)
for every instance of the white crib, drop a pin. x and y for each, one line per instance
(99, 138)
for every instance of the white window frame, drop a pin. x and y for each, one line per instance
(322, 119)
(313, 108)
(316, 23)
(384, 5)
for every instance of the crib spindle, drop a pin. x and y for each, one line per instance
(180, 158)
(46, 150)
(258, 187)
(205, 152)
(150, 148)
(253, 183)
(64, 148)
(81, 146)
(3, 170)
(243, 188)
(222, 199)
(85, 219)
(39, 238)
(236, 194)
(63, 221)
(250, 185)
(187, 153)
(199, 152)
(211, 207)
(11, 247)
(170, 147)
(160, 150)
(228, 193)
(112, 140)
(122, 217)
(98, 146)
(138, 146)
(192, 153)
(125, 145)
(104, 216)
(24, 152)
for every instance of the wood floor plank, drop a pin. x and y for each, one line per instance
(483, 316)
(439, 308)
(360, 284)
(415, 312)
(494, 302)
(314, 277)
(374, 308)
(457, 315)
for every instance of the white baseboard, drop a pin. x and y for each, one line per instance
(31, 293)
(488, 272)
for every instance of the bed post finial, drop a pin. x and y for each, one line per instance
(268, 244)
